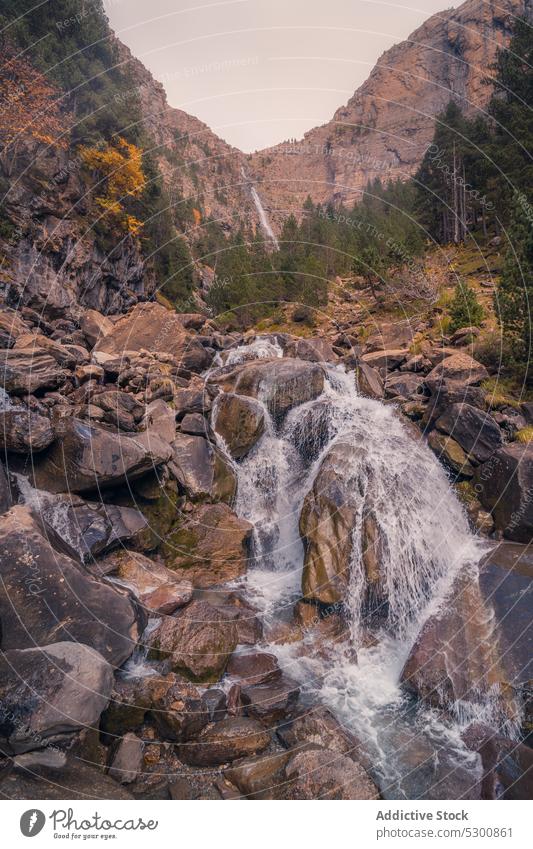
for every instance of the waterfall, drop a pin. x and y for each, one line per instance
(425, 542)
(263, 217)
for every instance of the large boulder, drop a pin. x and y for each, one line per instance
(280, 383)
(326, 522)
(385, 360)
(504, 485)
(318, 726)
(85, 529)
(24, 432)
(86, 457)
(475, 431)
(270, 701)
(450, 453)
(209, 543)
(94, 326)
(239, 421)
(49, 693)
(201, 469)
(224, 742)
(459, 367)
(150, 326)
(198, 642)
(480, 641)
(404, 385)
(177, 708)
(46, 597)
(11, 327)
(317, 773)
(369, 381)
(28, 371)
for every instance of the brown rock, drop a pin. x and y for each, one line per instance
(94, 326)
(152, 327)
(254, 667)
(210, 546)
(198, 641)
(271, 701)
(321, 774)
(127, 759)
(201, 469)
(27, 371)
(240, 421)
(23, 432)
(233, 738)
(158, 589)
(459, 367)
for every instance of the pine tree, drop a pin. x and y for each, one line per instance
(465, 309)
(514, 296)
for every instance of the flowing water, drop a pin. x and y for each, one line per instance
(425, 543)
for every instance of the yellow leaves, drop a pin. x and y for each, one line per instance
(197, 216)
(120, 172)
(28, 105)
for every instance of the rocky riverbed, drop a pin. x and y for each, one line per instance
(143, 654)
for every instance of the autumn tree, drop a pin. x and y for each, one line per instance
(119, 176)
(28, 110)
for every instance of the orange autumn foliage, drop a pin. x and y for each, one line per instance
(120, 175)
(28, 108)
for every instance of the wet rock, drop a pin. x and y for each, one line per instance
(46, 597)
(254, 667)
(459, 367)
(177, 709)
(215, 703)
(94, 326)
(127, 760)
(271, 701)
(211, 545)
(450, 453)
(232, 604)
(326, 522)
(50, 693)
(507, 764)
(201, 469)
(321, 774)
(505, 486)
(280, 383)
(85, 457)
(198, 641)
(240, 421)
(475, 431)
(191, 400)
(223, 742)
(85, 529)
(29, 371)
(262, 777)
(481, 641)
(152, 327)
(23, 432)
(318, 726)
(157, 588)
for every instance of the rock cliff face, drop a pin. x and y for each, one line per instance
(386, 126)
(194, 161)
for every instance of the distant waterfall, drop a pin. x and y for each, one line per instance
(263, 217)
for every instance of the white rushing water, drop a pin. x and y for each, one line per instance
(263, 217)
(425, 543)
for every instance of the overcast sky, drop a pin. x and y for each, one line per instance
(261, 71)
